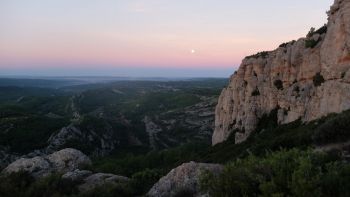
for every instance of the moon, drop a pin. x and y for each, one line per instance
(193, 51)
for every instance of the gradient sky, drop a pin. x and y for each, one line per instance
(169, 38)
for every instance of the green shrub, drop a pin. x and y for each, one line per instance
(321, 30)
(337, 129)
(263, 54)
(311, 32)
(283, 45)
(130, 163)
(311, 43)
(278, 84)
(142, 181)
(256, 92)
(53, 185)
(268, 121)
(15, 184)
(282, 173)
(318, 80)
(184, 192)
(22, 184)
(343, 74)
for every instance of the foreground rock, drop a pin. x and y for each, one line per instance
(100, 179)
(62, 161)
(184, 178)
(90, 181)
(304, 79)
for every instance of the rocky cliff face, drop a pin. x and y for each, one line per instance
(304, 79)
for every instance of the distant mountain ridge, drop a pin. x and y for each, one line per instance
(304, 79)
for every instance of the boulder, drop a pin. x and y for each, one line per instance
(100, 179)
(77, 175)
(184, 178)
(68, 160)
(59, 162)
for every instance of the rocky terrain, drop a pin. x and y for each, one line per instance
(66, 162)
(99, 119)
(62, 161)
(304, 79)
(295, 100)
(183, 179)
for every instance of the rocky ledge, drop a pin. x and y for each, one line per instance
(304, 79)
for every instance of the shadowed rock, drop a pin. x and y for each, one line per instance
(59, 162)
(183, 178)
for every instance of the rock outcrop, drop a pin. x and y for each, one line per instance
(67, 162)
(304, 79)
(184, 178)
(62, 161)
(100, 179)
(89, 181)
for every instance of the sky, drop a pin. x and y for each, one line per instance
(146, 38)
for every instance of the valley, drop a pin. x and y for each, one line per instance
(102, 118)
(278, 127)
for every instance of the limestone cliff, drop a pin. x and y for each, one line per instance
(304, 79)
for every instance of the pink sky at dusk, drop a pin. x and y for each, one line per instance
(105, 35)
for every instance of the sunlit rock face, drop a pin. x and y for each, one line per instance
(304, 79)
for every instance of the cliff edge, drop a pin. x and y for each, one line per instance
(304, 79)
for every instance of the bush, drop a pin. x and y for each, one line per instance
(343, 75)
(22, 184)
(311, 43)
(311, 32)
(278, 84)
(263, 54)
(53, 185)
(282, 173)
(256, 92)
(184, 192)
(142, 181)
(321, 30)
(337, 129)
(15, 184)
(318, 80)
(128, 164)
(283, 45)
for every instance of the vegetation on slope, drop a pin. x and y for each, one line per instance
(283, 173)
(276, 159)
